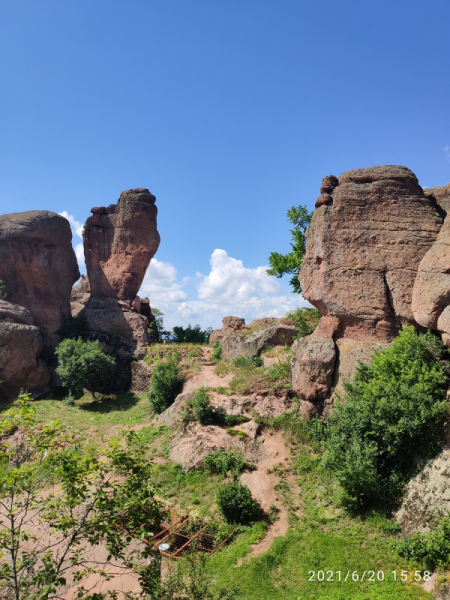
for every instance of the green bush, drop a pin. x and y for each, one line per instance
(279, 371)
(256, 361)
(217, 352)
(198, 408)
(83, 365)
(165, 385)
(393, 410)
(236, 504)
(431, 549)
(305, 320)
(241, 361)
(223, 461)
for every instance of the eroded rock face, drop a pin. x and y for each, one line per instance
(368, 234)
(431, 293)
(229, 324)
(119, 242)
(251, 344)
(38, 267)
(20, 347)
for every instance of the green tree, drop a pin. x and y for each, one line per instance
(166, 384)
(290, 263)
(47, 532)
(392, 412)
(83, 365)
(191, 335)
(156, 328)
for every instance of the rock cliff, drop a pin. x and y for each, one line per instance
(38, 267)
(369, 232)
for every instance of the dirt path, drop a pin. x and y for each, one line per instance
(206, 377)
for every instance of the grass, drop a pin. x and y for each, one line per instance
(187, 355)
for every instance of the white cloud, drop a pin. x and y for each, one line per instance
(77, 230)
(229, 289)
(447, 152)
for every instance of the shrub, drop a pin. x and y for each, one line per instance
(392, 411)
(223, 461)
(83, 365)
(217, 352)
(256, 361)
(279, 371)
(199, 408)
(165, 385)
(305, 320)
(236, 504)
(431, 549)
(241, 361)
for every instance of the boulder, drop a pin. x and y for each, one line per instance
(313, 368)
(440, 195)
(119, 242)
(20, 347)
(229, 324)
(427, 495)
(38, 267)
(367, 237)
(251, 344)
(141, 375)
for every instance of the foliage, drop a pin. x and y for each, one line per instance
(246, 361)
(199, 407)
(392, 411)
(189, 334)
(166, 384)
(83, 365)
(236, 503)
(189, 580)
(156, 332)
(431, 549)
(290, 263)
(217, 352)
(236, 433)
(46, 534)
(224, 461)
(3, 292)
(305, 319)
(279, 371)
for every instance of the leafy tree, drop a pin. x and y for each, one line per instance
(83, 365)
(46, 532)
(190, 335)
(166, 384)
(392, 412)
(290, 263)
(156, 331)
(305, 319)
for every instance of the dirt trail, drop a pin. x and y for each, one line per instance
(206, 377)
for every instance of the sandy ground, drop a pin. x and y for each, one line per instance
(206, 377)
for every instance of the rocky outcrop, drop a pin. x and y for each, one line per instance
(20, 347)
(119, 242)
(427, 495)
(251, 344)
(38, 267)
(367, 236)
(229, 324)
(431, 293)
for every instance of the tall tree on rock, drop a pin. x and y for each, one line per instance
(290, 263)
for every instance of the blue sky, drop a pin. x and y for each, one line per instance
(228, 111)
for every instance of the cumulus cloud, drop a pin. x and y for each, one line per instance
(447, 152)
(77, 230)
(229, 289)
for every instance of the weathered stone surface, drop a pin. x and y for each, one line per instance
(313, 368)
(38, 267)
(363, 251)
(441, 195)
(427, 495)
(431, 293)
(20, 347)
(119, 322)
(141, 375)
(119, 242)
(229, 324)
(238, 344)
(349, 352)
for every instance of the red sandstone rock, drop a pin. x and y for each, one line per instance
(20, 347)
(431, 294)
(119, 242)
(38, 267)
(362, 255)
(229, 324)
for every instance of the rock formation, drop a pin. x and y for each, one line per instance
(368, 234)
(119, 242)
(229, 324)
(38, 267)
(431, 293)
(20, 347)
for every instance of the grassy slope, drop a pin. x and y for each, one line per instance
(322, 537)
